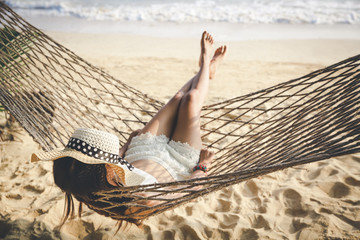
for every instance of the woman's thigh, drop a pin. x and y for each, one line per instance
(163, 122)
(188, 121)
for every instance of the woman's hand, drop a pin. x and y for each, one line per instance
(124, 148)
(134, 133)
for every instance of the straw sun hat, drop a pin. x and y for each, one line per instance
(92, 146)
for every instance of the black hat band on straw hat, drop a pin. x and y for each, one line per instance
(87, 149)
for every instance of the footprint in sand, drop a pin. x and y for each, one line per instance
(297, 225)
(324, 171)
(339, 190)
(248, 234)
(292, 200)
(227, 201)
(250, 189)
(35, 189)
(40, 171)
(14, 196)
(168, 235)
(352, 181)
(208, 232)
(230, 221)
(223, 205)
(335, 189)
(189, 232)
(314, 174)
(188, 210)
(260, 222)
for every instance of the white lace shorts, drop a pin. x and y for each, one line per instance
(176, 157)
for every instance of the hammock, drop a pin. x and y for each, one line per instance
(51, 91)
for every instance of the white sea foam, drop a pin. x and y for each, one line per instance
(243, 11)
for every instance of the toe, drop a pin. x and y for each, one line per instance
(224, 50)
(218, 51)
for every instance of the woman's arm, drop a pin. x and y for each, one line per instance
(125, 146)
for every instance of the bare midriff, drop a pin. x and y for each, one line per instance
(155, 169)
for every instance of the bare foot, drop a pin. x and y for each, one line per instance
(217, 58)
(206, 157)
(206, 44)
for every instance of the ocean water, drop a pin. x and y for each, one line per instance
(187, 11)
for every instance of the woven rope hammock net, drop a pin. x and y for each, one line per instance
(51, 91)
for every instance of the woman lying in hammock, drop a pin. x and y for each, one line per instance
(168, 148)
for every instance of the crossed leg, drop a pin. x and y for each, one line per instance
(163, 122)
(180, 117)
(188, 125)
(188, 122)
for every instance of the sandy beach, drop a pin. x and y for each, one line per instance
(313, 201)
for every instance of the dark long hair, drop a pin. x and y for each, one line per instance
(81, 181)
